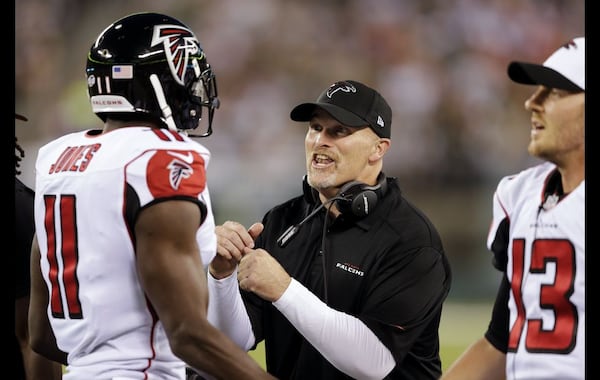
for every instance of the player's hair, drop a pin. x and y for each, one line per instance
(19, 151)
(19, 155)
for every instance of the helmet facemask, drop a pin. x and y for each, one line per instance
(202, 94)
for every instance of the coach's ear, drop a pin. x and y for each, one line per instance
(380, 149)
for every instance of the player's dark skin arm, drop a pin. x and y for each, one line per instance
(41, 336)
(172, 274)
(36, 366)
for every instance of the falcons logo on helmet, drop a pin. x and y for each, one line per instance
(178, 43)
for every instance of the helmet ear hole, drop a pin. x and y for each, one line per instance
(152, 67)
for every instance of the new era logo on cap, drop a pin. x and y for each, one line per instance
(353, 104)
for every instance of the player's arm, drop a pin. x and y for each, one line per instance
(41, 336)
(36, 366)
(172, 275)
(480, 361)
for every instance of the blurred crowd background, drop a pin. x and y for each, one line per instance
(458, 122)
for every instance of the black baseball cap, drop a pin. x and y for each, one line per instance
(353, 104)
(20, 117)
(564, 69)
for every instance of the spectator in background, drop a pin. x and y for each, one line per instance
(537, 236)
(29, 365)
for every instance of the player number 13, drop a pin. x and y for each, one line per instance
(561, 337)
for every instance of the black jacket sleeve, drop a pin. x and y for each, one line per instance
(497, 332)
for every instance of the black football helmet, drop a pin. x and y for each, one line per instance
(150, 66)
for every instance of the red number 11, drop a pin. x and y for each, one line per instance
(68, 253)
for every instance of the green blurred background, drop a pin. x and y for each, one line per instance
(458, 123)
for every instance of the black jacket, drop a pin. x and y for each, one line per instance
(388, 269)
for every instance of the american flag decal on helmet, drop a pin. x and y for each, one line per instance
(178, 43)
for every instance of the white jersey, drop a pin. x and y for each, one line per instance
(546, 270)
(89, 189)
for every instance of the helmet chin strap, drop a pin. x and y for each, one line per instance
(162, 102)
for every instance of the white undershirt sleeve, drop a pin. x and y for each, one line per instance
(227, 312)
(344, 340)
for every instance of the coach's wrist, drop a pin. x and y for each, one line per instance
(219, 275)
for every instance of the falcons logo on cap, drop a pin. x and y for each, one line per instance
(178, 43)
(340, 86)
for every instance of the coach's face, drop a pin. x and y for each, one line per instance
(336, 154)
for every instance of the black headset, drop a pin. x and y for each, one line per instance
(354, 198)
(360, 199)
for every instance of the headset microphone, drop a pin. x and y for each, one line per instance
(292, 230)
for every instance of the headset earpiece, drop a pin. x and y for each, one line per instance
(356, 199)
(359, 199)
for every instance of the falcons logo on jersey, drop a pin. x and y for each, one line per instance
(178, 43)
(179, 169)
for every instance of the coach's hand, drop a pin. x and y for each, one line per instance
(232, 237)
(261, 274)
